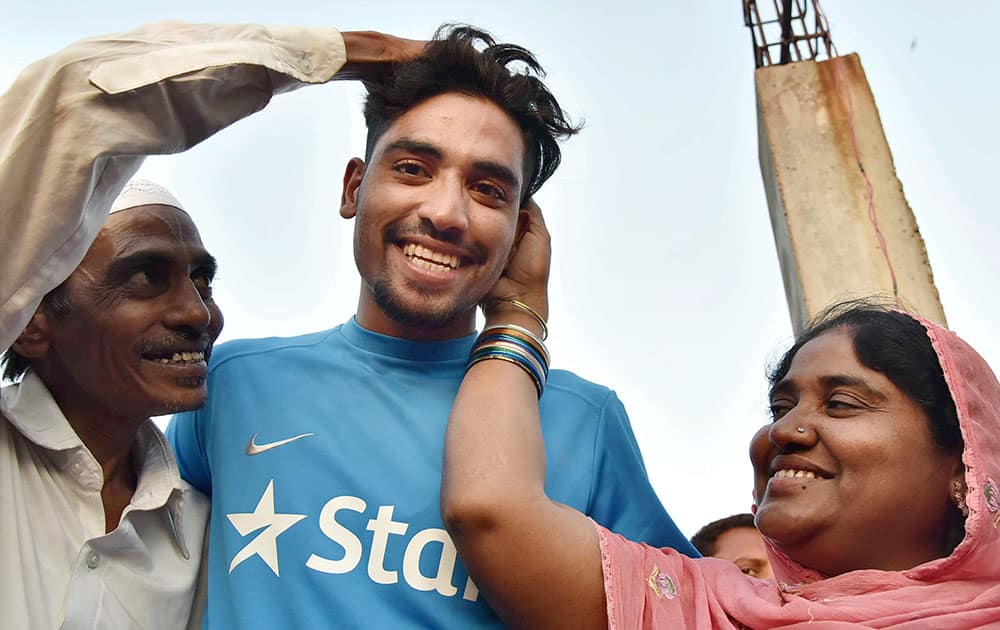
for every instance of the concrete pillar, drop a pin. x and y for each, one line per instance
(816, 121)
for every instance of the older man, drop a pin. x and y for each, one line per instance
(99, 529)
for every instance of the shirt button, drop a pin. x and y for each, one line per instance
(93, 560)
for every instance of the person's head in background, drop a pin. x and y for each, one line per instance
(735, 538)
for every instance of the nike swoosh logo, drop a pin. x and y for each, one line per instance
(256, 449)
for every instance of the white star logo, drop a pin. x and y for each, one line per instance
(265, 544)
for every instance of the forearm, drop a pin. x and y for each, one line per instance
(494, 453)
(537, 562)
(75, 126)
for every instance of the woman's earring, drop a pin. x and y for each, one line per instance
(958, 492)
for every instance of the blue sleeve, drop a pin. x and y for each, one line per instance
(621, 497)
(184, 437)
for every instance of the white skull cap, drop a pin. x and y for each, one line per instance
(142, 192)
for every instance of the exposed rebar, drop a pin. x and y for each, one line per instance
(787, 28)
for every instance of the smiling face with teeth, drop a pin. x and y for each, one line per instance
(137, 335)
(865, 485)
(437, 212)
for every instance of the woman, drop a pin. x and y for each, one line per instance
(876, 486)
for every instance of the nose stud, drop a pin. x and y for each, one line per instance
(800, 429)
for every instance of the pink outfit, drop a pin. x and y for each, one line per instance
(659, 588)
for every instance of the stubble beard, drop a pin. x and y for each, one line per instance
(427, 317)
(420, 315)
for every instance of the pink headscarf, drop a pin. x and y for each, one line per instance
(654, 588)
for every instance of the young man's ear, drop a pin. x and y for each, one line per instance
(353, 175)
(523, 221)
(33, 342)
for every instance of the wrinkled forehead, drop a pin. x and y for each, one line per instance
(164, 229)
(155, 222)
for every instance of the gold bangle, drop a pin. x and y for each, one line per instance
(527, 309)
(517, 331)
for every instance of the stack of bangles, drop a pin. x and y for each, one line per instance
(514, 344)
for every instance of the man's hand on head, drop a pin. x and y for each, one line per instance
(371, 55)
(526, 277)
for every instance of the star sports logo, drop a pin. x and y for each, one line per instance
(270, 524)
(265, 544)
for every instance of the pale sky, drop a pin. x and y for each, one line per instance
(665, 282)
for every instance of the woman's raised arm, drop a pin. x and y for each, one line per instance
(537, 562)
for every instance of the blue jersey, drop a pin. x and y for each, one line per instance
(323, 455)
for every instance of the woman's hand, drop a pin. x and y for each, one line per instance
(526, 277)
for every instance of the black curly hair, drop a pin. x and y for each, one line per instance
(452, 62)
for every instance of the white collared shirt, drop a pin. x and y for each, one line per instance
(58, 567)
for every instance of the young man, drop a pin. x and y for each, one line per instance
(323, 452)
(98, 529)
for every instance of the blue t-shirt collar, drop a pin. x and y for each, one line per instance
(447, 350)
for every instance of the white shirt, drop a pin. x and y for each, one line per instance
(58, 567)
(74, 127)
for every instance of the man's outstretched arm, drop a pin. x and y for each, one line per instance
(75, 126)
